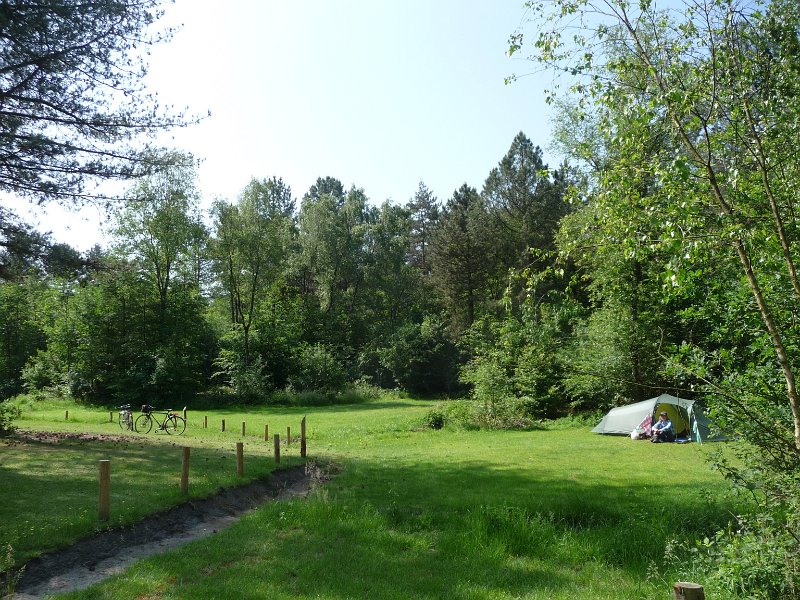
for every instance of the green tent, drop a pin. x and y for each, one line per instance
(687, 417)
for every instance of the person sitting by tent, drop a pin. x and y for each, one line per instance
(663, 431)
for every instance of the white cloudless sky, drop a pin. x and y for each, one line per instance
(381, 94)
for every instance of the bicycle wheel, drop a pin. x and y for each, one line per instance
(123, 422)
(144, 423)
(175, 425)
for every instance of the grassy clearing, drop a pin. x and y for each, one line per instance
(433, 514)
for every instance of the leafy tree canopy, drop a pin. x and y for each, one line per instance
(71, 94)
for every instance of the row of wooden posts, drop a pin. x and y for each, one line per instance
(104, 492)
(244, 427)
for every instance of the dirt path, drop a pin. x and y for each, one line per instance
(96, 558)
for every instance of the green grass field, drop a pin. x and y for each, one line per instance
(411, 512)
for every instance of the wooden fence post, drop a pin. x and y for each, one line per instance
(205, 422)
(303, 438)
(277, 448)
(223, 424)
(185, 470)
(266, 433)
(288, 436)
(685, 590)
(111, 416)
(66, 415)
(239, 458)
(244, 428)
(104, 493)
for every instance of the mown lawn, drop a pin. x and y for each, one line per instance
(410, 513)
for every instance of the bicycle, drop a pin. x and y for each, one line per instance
(172, 423)
(125, 417)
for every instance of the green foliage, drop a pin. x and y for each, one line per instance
(315, 368)
(422, 359)
(524, 358)
(490, 382)
(10, 574)
(22, 310)
(424, 212)
(134, 332)
(584, 420)
(756, 560)
(8, 413)
(248, 379)
(436, 418)
(461, 257)
(685, 202)
(526, 204)
(250, 252)
(97, 58)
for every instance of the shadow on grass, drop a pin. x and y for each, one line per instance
(427, 530)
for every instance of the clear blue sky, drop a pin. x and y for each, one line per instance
(378, 93)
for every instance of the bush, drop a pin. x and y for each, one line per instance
(355, 394)
(8, 412)
(506, 413)
(315, 368)
(249, 383)
(421, 359)
(758, 560)
(435, 418)
(468, 414)
(490, 382)
(39, 372)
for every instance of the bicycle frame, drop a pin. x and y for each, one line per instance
(125, 417)
(170, 421)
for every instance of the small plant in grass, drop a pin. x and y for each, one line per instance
(9, 573)
(435, 418)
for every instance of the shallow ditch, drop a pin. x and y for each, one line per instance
(95, 558)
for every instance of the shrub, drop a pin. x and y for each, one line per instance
(315, 368)
(39, 372)
(249, 382)
(421, 358)
(506, 413)
(8, 412)
(759, 558)
(490, 382)
(435, 418)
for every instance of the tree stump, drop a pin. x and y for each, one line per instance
(688, 591)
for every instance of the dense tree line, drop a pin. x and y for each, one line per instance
(508, 294)
(275, 294)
